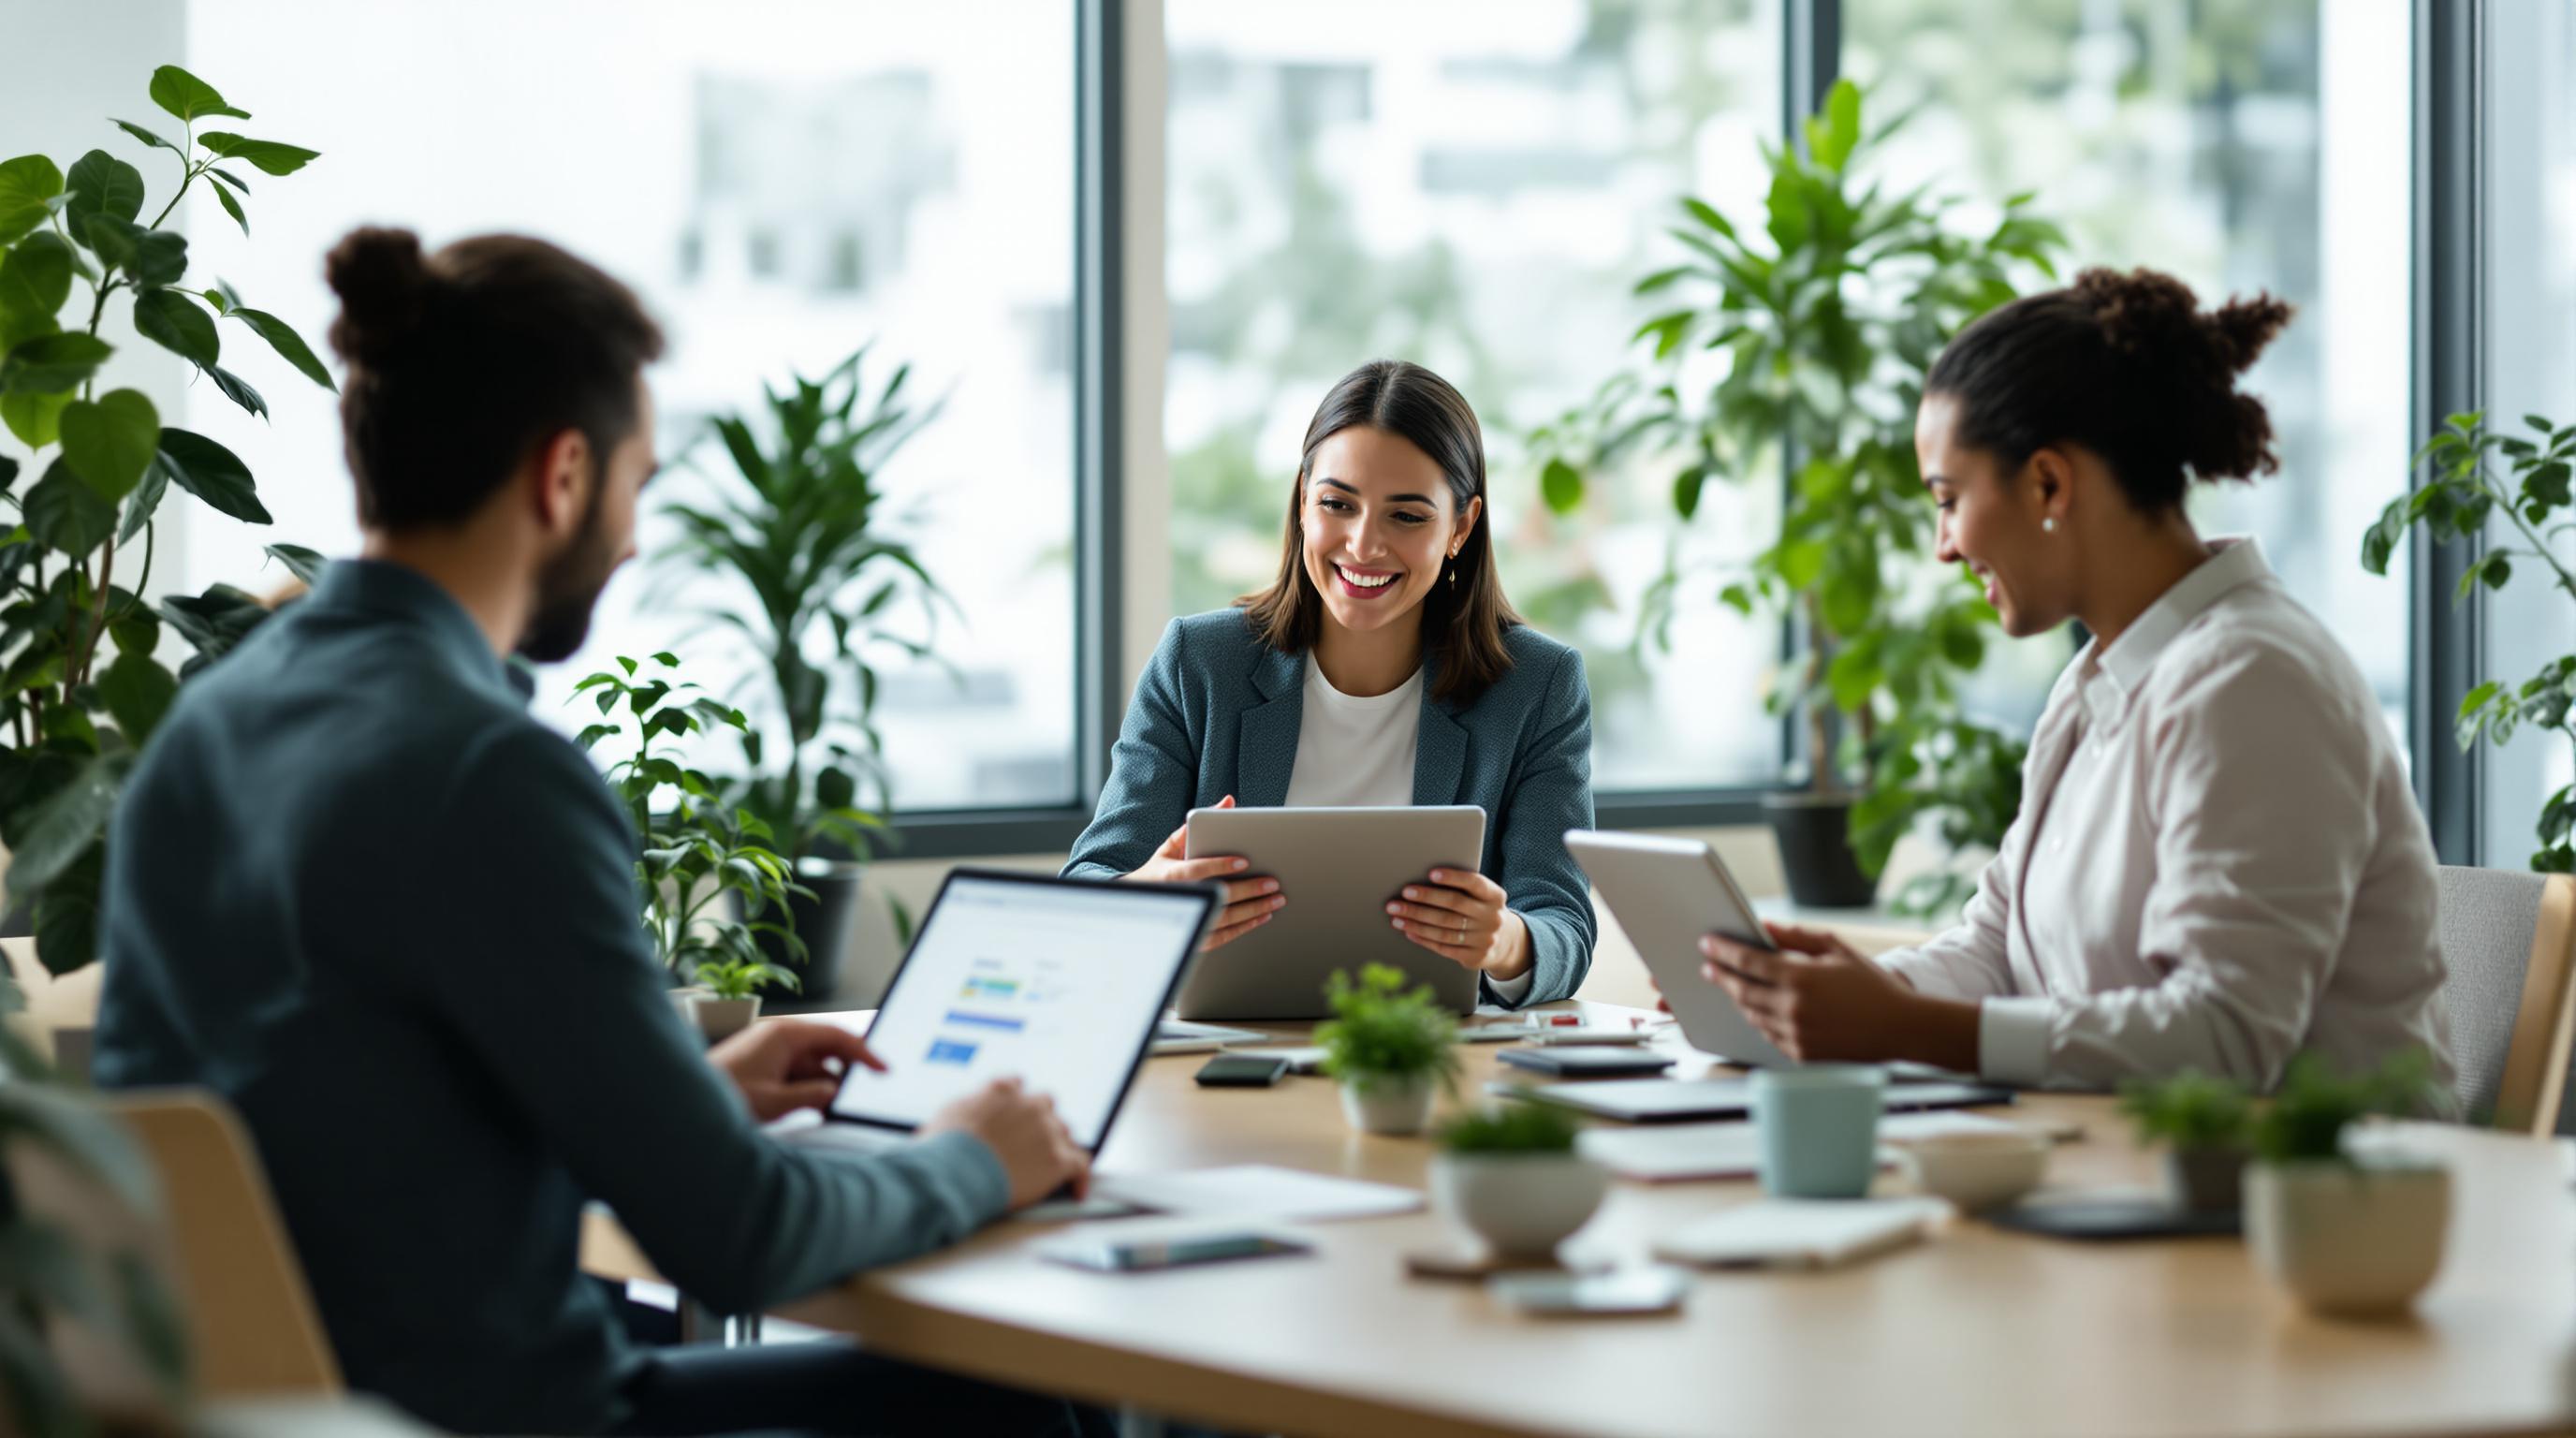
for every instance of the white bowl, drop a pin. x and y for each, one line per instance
(1978, 1170)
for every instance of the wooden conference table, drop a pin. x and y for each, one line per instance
(1978, 1331)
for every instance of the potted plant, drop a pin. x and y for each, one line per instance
(795, 541)
(81, 681)
(2461, 490)
(1824, 311)
(2347, 1233)
(1511, 1176)
(697, 849)
(1388, 1048)
(729, 997)
(2205, 1121)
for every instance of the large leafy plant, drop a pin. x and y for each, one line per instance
(697, 847)
(82, 683)
(2462, 490)
(1801, 337)
(796, 535)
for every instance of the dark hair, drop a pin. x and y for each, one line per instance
(1463, 624)
(462, 362)
(2127, 366)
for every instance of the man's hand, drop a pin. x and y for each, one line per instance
(1022, 1130)
(1249, 903)
(782, 1065)
(1819, 1000)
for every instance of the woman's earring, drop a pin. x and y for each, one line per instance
(2048, 525)
(1453, 570)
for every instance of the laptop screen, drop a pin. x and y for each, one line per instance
(1056, 982)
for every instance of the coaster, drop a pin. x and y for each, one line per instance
(1474, 1265)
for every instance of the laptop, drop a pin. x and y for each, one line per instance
(1057, 982)
(1338, 867)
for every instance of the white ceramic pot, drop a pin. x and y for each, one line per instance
(720, 1019)
(1521, 1204)
(1978, 1170)
(2355, 1239)
(1397, 1107)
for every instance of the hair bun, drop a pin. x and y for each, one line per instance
(2154, 323)
(384, 286)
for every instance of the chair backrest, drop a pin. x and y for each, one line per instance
(252, 1326)
(2510, 941)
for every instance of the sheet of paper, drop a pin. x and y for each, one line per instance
(1670, 1153)
(1257, 1190)
(1793, 1233)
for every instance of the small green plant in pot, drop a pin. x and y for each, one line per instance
(2348, 1233)
(796, 544)
(697, 849)
(732, 999)
(2205, 1122)
(1390, 1049)
(1512, 1176)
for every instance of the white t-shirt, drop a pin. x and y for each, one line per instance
(1352, 750)
(1358, 752)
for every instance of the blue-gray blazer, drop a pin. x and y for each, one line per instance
(1217, 713)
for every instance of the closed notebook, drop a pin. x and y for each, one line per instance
(1588, 1062)
(1800, 1233)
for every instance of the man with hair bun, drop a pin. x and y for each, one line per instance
(2219, 862)
(356, 890)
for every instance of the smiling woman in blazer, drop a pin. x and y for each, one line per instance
(1383, 667)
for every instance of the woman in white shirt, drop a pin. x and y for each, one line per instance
(1383, 667)
(2219, 862)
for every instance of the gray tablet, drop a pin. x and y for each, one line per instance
(1665, 893)
(1338, 868)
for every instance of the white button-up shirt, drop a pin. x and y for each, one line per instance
(2218, 862)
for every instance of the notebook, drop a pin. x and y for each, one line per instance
(1800, 1233)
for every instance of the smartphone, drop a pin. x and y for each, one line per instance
(1139, 1255)
(1242, 1071)
(1653, 1289)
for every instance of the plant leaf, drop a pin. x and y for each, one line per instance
(35, 418)
(145, 501)
(138, 692)
(65, 514)
(1561, 485)
(147, 137)
(188, 97)
(28, 185)
(170, 319)
(52, 364)
(305, 564)
(212, 473)
(237, 390)
(109, 441)
(101, 185)
(35, 279)
(152, 257)
(289, 345)
(65, 826)
(233, 208)
(269, 156)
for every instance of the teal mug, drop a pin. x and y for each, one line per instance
(1818, 1127)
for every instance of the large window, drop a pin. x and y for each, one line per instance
(2242, 145)
(2530, 322)
(1473, 185)
(782, 180)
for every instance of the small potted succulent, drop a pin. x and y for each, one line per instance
(1389, 1049)
(2348, 1233)
(728, 996)
(1511, 1175)
(2205, 1121)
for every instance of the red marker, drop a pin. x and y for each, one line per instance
(1564, 1021)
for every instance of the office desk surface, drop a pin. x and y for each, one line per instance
(1978, 1331)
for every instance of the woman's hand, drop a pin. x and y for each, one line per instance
(1249, 903)
(1817, 999)
(1461, 916)
(782, 1065)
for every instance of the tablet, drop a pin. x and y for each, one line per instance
(1338, 869)
(1057, 982)
(1665, 893)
